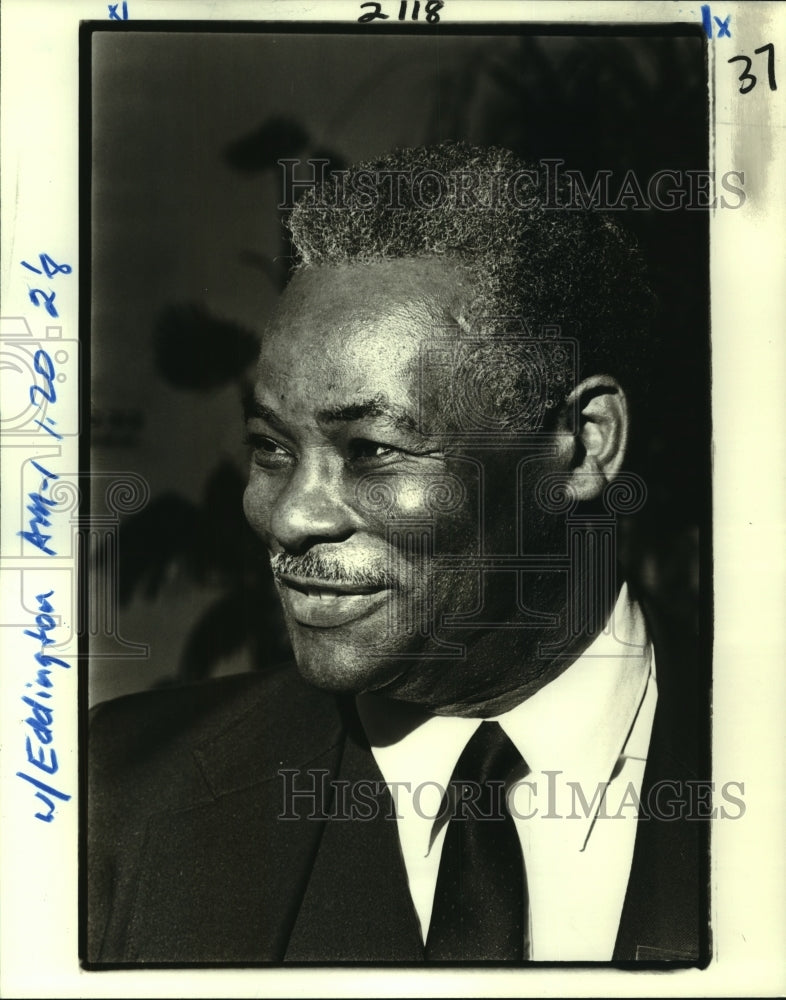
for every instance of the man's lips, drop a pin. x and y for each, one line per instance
(329, 603)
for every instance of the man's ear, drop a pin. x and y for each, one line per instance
(593, 434)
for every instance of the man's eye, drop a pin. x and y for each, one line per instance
(267, 453)
(366, 452)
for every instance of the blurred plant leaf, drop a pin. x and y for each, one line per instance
(154, 542)
(196, 350)
(335, 160)
(231, 624)
(218, 634)
(274, 269)
(230, 552)
(261, 149)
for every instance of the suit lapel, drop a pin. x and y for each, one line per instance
(664, 915)
(660, 917)
(304, 889)
(222, 881)
(357, 905)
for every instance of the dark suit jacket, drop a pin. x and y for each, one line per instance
(189, 862)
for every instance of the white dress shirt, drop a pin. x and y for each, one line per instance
(584, 737)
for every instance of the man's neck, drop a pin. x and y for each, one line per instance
(502, 668)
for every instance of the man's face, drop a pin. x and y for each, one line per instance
(358, 481)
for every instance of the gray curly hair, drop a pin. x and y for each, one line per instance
(534, 258)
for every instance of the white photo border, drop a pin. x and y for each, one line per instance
(41, 214)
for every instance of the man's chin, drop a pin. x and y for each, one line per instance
(344, 671)
(353, 658)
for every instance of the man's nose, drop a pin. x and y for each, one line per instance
(311, 508)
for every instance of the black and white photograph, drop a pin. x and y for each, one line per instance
(386, 549)
(427, 669)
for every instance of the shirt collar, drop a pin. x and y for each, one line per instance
(577, 724)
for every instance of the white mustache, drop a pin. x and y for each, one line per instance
(331, 568)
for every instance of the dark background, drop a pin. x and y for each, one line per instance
(188, 257)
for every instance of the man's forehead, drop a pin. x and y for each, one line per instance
(360, 321)
(364, 341)
(428, 290)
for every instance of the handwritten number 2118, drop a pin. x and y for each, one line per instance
(431, 8)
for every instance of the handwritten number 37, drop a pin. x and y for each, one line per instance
(747, 79)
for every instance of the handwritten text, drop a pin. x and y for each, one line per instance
(40, 752)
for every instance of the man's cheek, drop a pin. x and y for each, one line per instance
(420, 494)
(255, 503)
(455, 595)
(449, 507)
(258, 502)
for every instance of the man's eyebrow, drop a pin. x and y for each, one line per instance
(253, 409)
(362, 410)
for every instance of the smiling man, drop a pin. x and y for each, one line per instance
(475, 756)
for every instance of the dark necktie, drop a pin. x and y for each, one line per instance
(480, 904)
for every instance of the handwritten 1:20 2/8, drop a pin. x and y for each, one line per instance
(40, 506)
